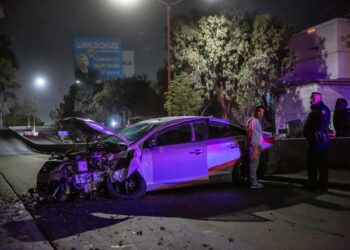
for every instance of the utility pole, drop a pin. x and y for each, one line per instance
(169, 56)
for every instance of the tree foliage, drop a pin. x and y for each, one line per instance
(211, 51)
(1, 9)
(84, 104)
(8, 75)
(8, 65)
(268, 58)
(234, 59)
(8, 83)
(184, 98)
(19, 113)
(136, 95)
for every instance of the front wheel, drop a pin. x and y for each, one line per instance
(132, 187)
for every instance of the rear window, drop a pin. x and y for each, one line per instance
(220, 130)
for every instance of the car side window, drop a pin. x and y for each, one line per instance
(218, 130)
(178, 135)
(237, 131)
(200, 130)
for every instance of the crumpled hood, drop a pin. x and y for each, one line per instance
(91, 126)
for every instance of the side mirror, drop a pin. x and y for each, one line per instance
(152, 143)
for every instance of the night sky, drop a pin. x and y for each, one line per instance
(42, 33)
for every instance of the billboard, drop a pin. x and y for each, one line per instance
(97, 59)
(128, 63)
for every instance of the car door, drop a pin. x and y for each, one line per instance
(223, 151)
(176, 156)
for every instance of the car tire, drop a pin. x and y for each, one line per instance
(132, 187)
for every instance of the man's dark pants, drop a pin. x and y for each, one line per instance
(317, 165)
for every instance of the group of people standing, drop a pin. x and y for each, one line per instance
(317, 132)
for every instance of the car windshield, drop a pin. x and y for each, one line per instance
(112, 139)
(136, 131)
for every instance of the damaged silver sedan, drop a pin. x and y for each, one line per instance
(149, 155)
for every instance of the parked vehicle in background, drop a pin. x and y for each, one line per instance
(29, 133)
(149, 155)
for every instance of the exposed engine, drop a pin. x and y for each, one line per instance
(81, 173)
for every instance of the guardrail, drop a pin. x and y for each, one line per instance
(49, 148)
(31, 127)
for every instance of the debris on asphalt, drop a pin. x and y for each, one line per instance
(139, 232)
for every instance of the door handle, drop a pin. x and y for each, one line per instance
(197, 151)
(232, 145)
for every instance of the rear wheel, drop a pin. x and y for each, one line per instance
(132, 187)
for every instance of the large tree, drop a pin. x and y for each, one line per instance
(211, 51)
(66, 107)
(8, 83)
(234, 59)
(268, 58)
(8, 71)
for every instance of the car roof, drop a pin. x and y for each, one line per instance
(176, 119)
(172, 120)
(166, 122)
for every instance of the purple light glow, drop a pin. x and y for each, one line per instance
(221, 151)
(267, 141)
(82, 166)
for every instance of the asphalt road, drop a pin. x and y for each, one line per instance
(9, 145)
(280, 216)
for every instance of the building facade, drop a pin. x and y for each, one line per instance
(322, 64)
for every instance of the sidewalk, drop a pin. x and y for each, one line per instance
(18, 229)
(338, 179)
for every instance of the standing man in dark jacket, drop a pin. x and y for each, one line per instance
(341, 118)
(316, 131)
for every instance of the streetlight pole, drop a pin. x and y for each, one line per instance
(168, 10)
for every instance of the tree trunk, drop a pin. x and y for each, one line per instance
(225, 107)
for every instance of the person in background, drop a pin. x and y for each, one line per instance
(341, 118)
(316, 131)
(255, 138)
(87, 76)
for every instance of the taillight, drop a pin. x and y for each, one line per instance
(269, 139)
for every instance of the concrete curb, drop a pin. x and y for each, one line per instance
(301, 180)
(18, 227)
